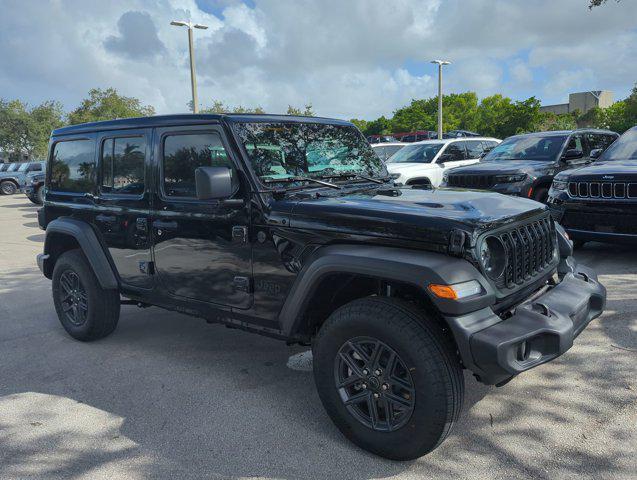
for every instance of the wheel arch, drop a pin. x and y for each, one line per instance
(64, 234)
(337, 274)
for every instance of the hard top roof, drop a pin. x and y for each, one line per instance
(189, 119)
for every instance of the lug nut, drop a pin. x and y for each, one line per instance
(376, 395)
(364, 386)
(365, 371)
(385, 386)
(378, 371)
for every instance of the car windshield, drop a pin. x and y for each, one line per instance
(285, 151)
(420, 153)
(527, 148)
(624, 148)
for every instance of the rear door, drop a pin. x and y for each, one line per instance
(201, 247)
(122, 210)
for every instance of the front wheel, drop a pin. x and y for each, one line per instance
(8, 188)
(388, 377)
(85, 309)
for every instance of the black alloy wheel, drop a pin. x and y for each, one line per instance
(374, 384)
(73, 298)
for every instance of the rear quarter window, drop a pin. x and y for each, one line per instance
(73, 166)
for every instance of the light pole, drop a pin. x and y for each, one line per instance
(193, 78)
(440, 64)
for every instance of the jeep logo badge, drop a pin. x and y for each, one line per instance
(608, 177)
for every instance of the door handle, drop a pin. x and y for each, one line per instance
(106, 218)
(172, 225)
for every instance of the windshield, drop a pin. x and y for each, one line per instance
(624, 148)
(284, 151)
(420, 153)
(527, 148)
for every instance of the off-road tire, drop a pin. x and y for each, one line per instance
(427, 353)
(102, 305)
(39, 195)
(8, 187)
(541, 194)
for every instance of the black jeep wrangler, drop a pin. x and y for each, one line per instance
(599, 201)
(291, 227)
(524, 165)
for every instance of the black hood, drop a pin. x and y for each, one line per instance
(612, 171)
(507, 167)
(409, 214)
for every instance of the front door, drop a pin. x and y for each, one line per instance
(201, 247)
(122, 204)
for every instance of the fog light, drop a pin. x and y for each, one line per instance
(456, 291)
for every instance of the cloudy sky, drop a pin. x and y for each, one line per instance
(349, 58)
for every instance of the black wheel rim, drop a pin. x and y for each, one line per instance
(374, 384)
(73, 298)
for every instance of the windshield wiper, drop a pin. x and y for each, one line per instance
(301, 179)
(358, 175)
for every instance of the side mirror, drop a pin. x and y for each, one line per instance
(215, 183)
(572, 154)
(596, 152)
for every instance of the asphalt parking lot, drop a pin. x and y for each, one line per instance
(168, 396)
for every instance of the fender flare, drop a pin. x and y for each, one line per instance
(89, 244)
(415, 267)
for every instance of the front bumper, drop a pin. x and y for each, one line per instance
(539, 330)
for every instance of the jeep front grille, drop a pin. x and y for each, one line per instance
(602, 190)
(470, 181)
(529, 249)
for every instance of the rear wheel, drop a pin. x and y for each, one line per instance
(388, 377)
(85, 309)
(8, 188)
(39, 195)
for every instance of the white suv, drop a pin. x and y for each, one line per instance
(423, 163)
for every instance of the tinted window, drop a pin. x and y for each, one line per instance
(457, 152)
(35, 167)
(474, 148)
(183, 154)
(73, 166)
(123, 165)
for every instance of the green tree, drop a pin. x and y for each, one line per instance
(551, 121)
(379, 126)
(26, 131)
(108, 105)
(360, 124)
(308, 112)
(500, 117)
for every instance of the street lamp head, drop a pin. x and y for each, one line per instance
(441, 62)
(200, 26)
(179, 23)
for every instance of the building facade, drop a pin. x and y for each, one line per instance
(582, 102)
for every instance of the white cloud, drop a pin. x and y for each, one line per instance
(355, 58)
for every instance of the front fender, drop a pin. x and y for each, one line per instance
(417, 268)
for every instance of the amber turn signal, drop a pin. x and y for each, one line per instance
(443, 291)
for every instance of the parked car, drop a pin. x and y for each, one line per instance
(424, 163)
(460, 134)
(33, 187)
(13, 179)
(381, 139)
(599, 201)
(524, 165)
(386, 150)
(396, 290)
(418, 136)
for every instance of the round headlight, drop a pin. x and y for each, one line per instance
(493, 257)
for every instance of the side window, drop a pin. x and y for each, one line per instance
(577, 143)
(597, 140)
(457, 152)
(183, 154)
(35, 167)
(122, 165)
(608, 140)
(73, 166)
(474, 148)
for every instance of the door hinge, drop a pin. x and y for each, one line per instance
(147, 268)
(242, 284)
(239, 234)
